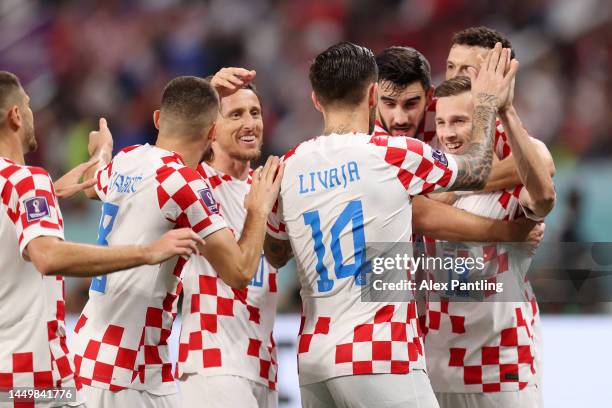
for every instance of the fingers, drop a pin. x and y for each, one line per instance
(102, 124)
(514, 66)
(266, 170)
(503, 61)
(279, 176)
(83, 167)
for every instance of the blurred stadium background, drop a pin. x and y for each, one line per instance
(83, 59)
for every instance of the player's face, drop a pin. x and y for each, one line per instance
(401, 111)
(27, 120)
(240, 126)
(461, 57)
(454, 121)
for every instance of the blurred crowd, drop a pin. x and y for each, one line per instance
(83, 59)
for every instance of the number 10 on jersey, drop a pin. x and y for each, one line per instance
(352, 213)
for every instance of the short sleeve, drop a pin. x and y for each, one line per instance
(187, 200)
(420, 168)
(103, 176)
(501, 147)
(275, 225)
(33, 206)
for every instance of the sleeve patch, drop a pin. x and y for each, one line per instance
(439, 156)
(36, 208)
(208, 199)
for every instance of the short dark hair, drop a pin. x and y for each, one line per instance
(454, 86)
(342, 73)
(484, 37)
(9, 83)
(402, 66)
(192, 101)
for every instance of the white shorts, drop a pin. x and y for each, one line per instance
(224, 391)
(412, 390)
(529, 397)
(99, 398)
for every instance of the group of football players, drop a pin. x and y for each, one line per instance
(188, 214)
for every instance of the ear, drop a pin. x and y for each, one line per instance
(429, 95)
(13, 117)
(156, 113)
(316, 102)
(373, 95)
(212, 132)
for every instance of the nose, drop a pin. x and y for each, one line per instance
(446, 133)
(400, 118)
(451, 73)
(248, 122)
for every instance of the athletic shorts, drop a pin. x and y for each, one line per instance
(222, 391)
(412, 390)
(529, 397)
(100, 398)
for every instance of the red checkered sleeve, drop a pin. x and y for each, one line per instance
(276, 226)
(103, 176)
(420, 169)
(187, 200)
(501, 146)
(32, 204)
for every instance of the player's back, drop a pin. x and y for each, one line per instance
(339, 193)
(146, 191)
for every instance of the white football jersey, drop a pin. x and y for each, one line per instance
(227, 331)
(33, 350)
(338, 193)
(121, 336)
(487, 345)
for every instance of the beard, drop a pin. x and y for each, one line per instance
(240, 156)
(372, 120)
(30, 139)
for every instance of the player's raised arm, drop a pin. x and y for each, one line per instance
(236, 263)
(101, 149)
(490, 87)
(539, 195)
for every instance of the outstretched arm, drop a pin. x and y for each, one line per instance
(445, 222)
(52, 256)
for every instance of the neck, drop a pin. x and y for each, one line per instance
(222, 162)
(190, 151)
(342, 121)
(11, 148)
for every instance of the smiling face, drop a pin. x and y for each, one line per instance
(461, 57)
(401, 110)
(240, 126)
(454, 121)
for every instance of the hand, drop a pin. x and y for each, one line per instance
(265, 187)
(68, 185)
(535, 237)
(182, 242)
(528, 231)
(229, 80)
(100, 140)
(508, 97)
(491, 84)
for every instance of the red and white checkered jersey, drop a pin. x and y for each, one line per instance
(426, 132)
(121, 336)
(338, 193)
(33, 349)
(227, 331)
(485, 346)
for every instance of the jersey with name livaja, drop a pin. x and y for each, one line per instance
(228, 331)
(121, 336)
(339, 193)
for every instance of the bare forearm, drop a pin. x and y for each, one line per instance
(532, 171)
(503, 175)
(444, 222)
(80, 260)
(474, 166)
(251, 244)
